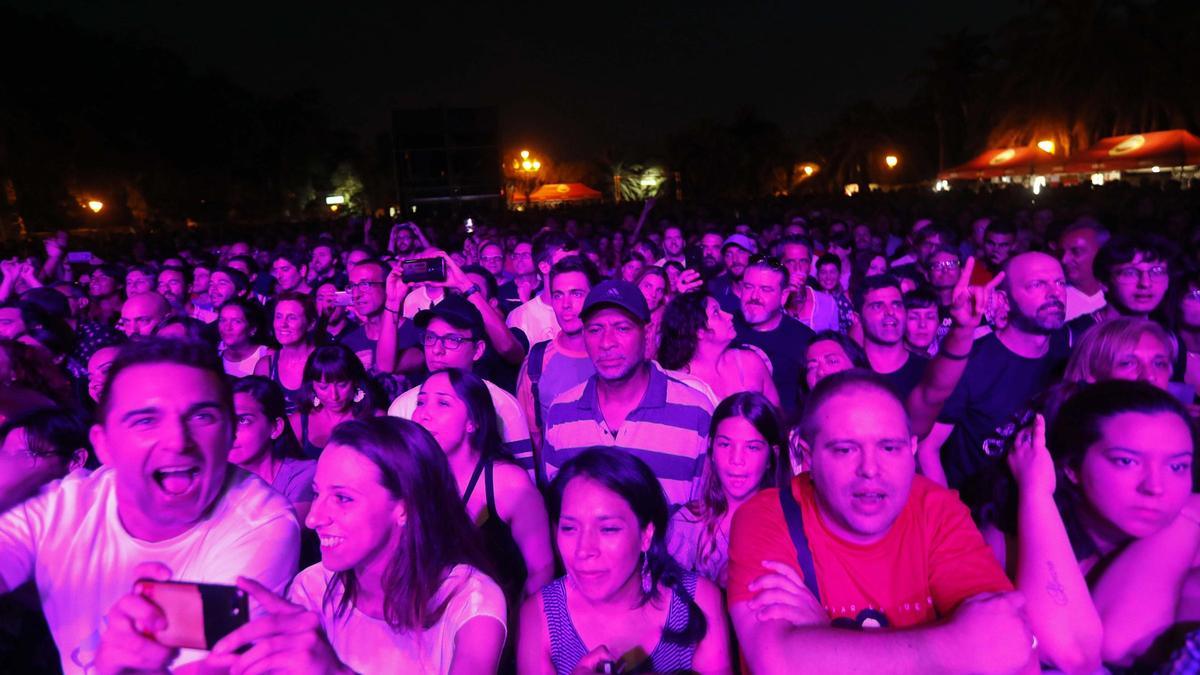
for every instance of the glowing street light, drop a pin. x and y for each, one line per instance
(891, 161)
(1046, 146)
(808, 170)
(95, 205)
(524, 154)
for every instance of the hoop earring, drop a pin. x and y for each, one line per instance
(359, 395)
(316, 401)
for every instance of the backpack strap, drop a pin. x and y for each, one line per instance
(795, 525)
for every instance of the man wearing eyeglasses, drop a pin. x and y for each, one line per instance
(368, 294)
(1136, 273)
(453, 336)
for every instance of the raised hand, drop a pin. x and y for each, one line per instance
(1030, 461)
(687, 281)
(969, 303)
(396, 288)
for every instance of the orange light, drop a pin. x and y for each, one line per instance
(891, 161)
(524, 154)
(808, 170)
(95, 205)
(527, 165)
(1046, 146)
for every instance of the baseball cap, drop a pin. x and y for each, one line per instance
(616, 293)
(456, 311)
(741, 241)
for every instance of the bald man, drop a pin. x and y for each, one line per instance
(1004, 371)
(142, 313)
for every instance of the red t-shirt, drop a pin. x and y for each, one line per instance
(931, 559)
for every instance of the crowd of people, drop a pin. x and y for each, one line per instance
(956, 436)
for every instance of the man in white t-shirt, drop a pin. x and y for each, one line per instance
(454, 337)
(166, 504)
(536, 318)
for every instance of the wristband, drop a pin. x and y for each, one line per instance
(471, 290)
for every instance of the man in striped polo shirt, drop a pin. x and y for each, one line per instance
(630, 404)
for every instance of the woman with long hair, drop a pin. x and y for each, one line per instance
(264, 444)
(653, 284)
(401, 586)
(456, 407)
(624, 603)
(239, 322)
(697, 339)
(1101, 530)
(294, 329)
(335, 388)
(747, 452)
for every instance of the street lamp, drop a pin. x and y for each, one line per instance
(527, 168)
(1046, 146)
(95, 205)
(891, 161)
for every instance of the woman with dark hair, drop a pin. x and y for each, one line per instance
(294, 328)
(652, 282)
(831, 352)
(37, 447)
(624, 602)
(400, 587)
(697, 339)
(456, 408)
(747, 451)
(632, 264)
(264, 444)
(23, 365)
(185, 328)
(239, 322)
(335, 388)
(1102, 500)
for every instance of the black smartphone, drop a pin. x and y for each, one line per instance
(198, 615)
(423, 269)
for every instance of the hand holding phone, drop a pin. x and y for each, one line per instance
(423, 269)
(197, 615)
(127, 643)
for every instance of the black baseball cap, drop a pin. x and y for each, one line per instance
(616, 293)
(456, 311)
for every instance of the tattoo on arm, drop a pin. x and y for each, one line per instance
(1055, 588)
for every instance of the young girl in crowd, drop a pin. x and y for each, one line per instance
(335, 388)
(697, 338)
(238, 323)
(624, 602)
(293, 324)
(1103, 533)
(264, 444)
(652, 282)
(746, 453)
(400, 587)
(456, 408)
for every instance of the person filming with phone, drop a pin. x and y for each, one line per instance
(166, 504)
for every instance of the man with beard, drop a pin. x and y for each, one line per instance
(998, 242)
(735, 253)
(710, 253)
(174, 284)
(1004, 371)
(883, 322)
(672, 245)
(860, 541)
(762, 323)
(322, 265)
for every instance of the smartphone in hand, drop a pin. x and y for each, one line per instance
(423, 269)
(198, 615)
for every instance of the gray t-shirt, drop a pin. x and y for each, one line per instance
(295, 479)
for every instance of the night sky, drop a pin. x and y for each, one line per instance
(570, 79)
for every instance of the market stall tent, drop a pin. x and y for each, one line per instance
(1163, 149)
(561, 192)
(1003, 162)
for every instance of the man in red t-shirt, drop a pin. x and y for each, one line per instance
(890, 550)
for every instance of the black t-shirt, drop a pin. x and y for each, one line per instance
(498, 371)
(510, 298)
(906, 378)
(785, 346)
(356, 340)
(996, 385)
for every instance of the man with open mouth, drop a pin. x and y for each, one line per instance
(166, 504)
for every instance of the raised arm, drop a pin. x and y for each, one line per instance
(946, 369)
(1058, 603)
(385, 350)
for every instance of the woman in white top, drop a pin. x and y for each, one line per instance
(399, 587)
(238, 322)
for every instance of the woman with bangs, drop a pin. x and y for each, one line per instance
(747, 452)
(335, 388)
(294, 329)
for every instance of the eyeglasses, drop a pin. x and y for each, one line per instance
(449, 342)
(944, 266)
(363, 285)
(1132, 275)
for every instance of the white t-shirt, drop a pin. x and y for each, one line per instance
(369, 645)
(1079, 303)
(418, 299)
(71, 541)
(536, 319)
(514, 430)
